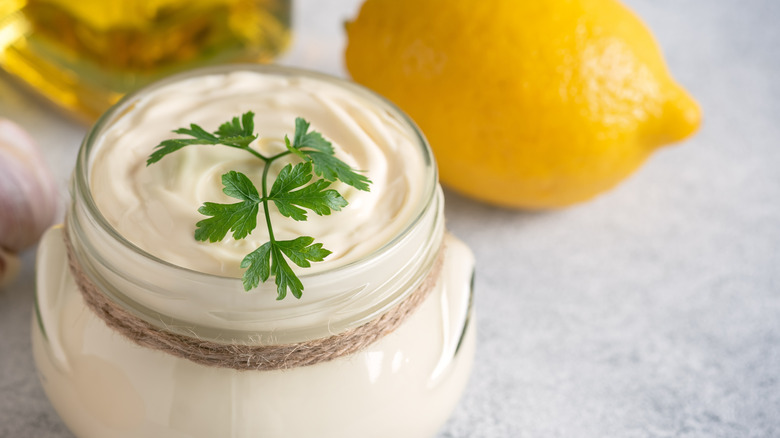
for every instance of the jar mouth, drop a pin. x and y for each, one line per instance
(347, 294)
(82, 182)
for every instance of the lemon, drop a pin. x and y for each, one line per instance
(529, 104)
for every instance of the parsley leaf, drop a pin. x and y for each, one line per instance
(315, 197)
(258, 266)
(284, 275)
(312, 147)
(333, 169)
(303, 250)
(241, 217)
(231, 133)
(314, 140)
(268, 259)
(234, 134)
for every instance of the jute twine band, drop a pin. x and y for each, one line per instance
(248, 357)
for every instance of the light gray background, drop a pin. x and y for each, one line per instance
(652, 311)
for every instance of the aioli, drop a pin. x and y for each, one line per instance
(155, 207)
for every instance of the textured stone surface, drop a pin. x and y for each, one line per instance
(652, 311)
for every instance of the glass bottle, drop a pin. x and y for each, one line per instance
(85, 54)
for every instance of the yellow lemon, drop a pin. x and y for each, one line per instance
(531, 104)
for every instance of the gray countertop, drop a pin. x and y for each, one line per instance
(651, 311)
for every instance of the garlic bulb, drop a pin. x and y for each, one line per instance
(28, 195)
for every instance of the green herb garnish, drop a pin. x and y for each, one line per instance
(295, 190)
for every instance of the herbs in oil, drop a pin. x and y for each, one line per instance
(86, 54)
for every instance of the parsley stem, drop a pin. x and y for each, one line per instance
(279, 155)
(267, 166)
(260, 156)
(268, 161)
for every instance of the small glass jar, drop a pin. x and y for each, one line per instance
(403, 385)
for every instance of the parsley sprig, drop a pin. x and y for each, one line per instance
(297, 188)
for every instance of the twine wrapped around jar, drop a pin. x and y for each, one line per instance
(248, 357)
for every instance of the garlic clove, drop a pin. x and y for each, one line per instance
(28, 194)
(9, 267)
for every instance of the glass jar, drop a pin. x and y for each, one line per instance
(84, 55)
(403, 385)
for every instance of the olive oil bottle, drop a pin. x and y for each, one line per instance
(85, 54)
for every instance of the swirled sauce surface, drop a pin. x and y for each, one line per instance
(155, 207)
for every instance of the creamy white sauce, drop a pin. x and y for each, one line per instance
(155, 207)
